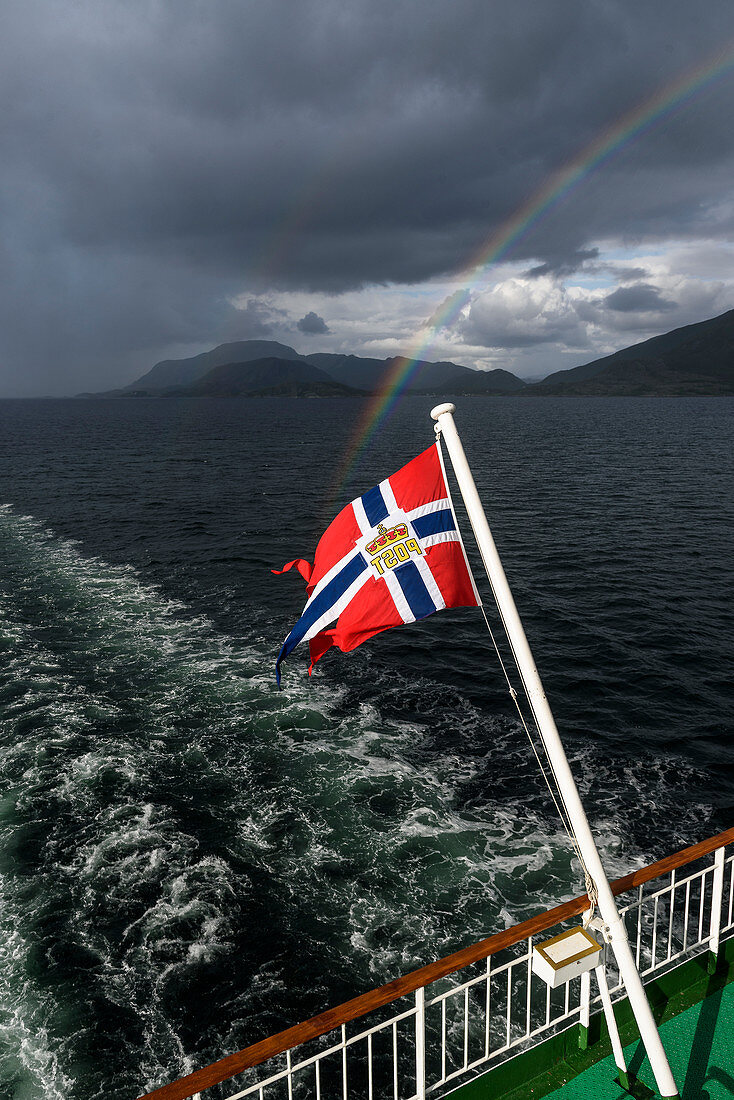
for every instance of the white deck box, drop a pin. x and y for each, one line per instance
(566, 956)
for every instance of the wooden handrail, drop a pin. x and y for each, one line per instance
(359, 1006)
(672, 863)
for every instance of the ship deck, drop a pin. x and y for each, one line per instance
(700, 1046)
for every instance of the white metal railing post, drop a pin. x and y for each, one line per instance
(420, 1043)
(529, 991)
(585, 998)
(671, 914)
(546, 725)
(612, 1028)
(717, 897)
(344, 1061)
(487, 1006)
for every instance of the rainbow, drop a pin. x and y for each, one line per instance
(612, 141)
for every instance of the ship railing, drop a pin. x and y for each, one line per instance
(440, 1025)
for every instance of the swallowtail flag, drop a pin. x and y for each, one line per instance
(392, 556)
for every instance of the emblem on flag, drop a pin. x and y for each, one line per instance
(392, 556)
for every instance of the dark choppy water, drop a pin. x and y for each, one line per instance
(189, 860)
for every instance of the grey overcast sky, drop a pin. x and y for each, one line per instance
(177, 173)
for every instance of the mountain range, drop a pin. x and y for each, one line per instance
(695, 359)
(263, 368)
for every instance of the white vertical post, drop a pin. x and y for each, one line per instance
(584, 1013)
(344, 1061)
(672, 913)
(420, 1043)
(529, 990)
(606, 1001)
(487, 1007)
(717, 896)
(545, 722)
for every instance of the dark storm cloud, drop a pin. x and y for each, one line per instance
(254, 321)
(159, 158)
(563, 266)
(312, 324)
(619, 272)
(641, 298)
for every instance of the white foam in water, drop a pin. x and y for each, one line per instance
(158, 792)
(28, 1059)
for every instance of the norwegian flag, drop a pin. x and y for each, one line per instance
(392, 556)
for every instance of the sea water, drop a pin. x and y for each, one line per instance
(191, 860)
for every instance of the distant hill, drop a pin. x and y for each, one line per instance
(173, 373)
(489, 382)
(351, 370)
(432, 378)
(267, 377)
(695, 359)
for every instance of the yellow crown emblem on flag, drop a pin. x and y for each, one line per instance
(386, 538)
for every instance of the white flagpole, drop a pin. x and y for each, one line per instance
(615, 931)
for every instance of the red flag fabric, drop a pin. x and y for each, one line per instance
(392, 556)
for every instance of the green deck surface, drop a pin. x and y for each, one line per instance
(699, 1044)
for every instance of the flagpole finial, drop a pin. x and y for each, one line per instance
(439, 410)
